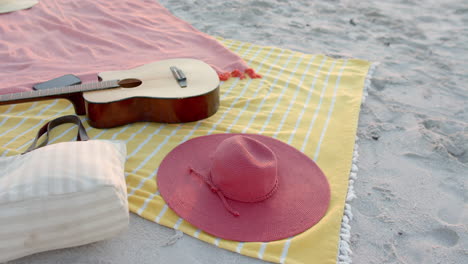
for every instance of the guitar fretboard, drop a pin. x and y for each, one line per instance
(92, 86)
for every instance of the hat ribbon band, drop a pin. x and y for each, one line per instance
(216, 190)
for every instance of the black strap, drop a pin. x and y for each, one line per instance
(81, 135)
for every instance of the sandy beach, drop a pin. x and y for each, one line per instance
(410, 198)
(411, 204)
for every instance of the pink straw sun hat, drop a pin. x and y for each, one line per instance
(244, 187)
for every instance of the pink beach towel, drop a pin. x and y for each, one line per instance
(58, 37)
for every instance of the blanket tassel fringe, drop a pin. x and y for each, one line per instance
(237, 73)
(345, 252)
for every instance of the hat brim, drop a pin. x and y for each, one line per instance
(17, 5)
(301, 200)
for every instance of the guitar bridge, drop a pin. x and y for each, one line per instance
(179, 76)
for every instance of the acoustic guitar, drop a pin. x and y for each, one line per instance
(167, 91)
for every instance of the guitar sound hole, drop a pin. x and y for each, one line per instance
(130, 83)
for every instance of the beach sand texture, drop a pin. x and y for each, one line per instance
(411, 198)
(411, 204)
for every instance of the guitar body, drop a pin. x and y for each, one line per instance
(159, 98)
(161, 110)
(167, 91)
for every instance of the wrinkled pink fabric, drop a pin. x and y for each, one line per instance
(57, 37)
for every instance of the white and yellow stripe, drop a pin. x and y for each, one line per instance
(311, 102)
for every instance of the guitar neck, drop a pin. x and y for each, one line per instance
(57, 92)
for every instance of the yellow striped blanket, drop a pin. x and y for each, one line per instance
(311, 102)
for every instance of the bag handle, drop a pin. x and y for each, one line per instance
(46, 128)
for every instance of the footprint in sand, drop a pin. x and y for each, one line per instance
(443, 236)
(449, 137)
(385, 194)
(366, 206)
(416, 246)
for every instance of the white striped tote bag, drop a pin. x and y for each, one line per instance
(61, 195)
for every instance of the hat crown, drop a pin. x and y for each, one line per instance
(244, 169)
